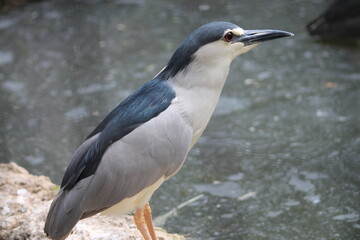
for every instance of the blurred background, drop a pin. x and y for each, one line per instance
(280, 158)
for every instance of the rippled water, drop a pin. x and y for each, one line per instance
(280, 159)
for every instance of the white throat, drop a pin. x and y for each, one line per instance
(198, 89)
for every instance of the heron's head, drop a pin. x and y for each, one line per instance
(217, 42)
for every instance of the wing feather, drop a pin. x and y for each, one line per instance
(143, 105)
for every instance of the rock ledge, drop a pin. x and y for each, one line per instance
(25, 200)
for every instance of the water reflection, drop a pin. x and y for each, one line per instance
(280, 158)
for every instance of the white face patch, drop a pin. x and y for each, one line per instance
(237, 31)
(221, 50)
(238, 48)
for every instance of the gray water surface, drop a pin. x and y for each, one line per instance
(280, 159)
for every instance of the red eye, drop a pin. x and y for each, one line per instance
(229, 36)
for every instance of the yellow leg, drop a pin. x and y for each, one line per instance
(143, 221)
(148, 220)
(141, 224)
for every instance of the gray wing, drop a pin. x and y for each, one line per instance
(155, 149)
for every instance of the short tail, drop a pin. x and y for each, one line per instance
(62, 216)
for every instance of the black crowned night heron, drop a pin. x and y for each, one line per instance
(340, 21)
(146, 138)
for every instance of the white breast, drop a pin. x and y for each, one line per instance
(196, 107)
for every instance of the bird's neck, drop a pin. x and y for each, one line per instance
(198, 89)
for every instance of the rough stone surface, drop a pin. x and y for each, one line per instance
(25, 200)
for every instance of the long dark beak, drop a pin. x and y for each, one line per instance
(257, 36)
